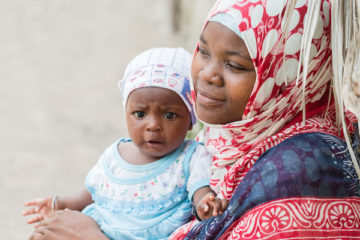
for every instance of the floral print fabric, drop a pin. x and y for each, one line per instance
(305, 186)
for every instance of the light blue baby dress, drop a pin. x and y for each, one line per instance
(146, 201)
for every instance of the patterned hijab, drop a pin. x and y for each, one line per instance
(289, 97)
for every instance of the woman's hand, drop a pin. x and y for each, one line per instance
(40, 206)
(68, 225)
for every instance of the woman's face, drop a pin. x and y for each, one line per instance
(223, 75)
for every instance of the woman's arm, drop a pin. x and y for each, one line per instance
(68, 225)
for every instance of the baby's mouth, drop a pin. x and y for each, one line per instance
(155, 142)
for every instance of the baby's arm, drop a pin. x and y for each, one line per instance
(207, 204)
(45, 207)
(203, 197)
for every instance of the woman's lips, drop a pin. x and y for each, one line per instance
(206, 99)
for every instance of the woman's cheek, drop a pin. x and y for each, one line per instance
(195, 70)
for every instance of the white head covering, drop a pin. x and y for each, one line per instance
(160, 67)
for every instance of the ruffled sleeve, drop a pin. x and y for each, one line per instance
(199, 170)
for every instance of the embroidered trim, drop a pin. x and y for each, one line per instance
(300, 218)
(178, 195)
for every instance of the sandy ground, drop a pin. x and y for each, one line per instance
(60, 61)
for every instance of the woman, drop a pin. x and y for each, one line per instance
(279, 156)
(262, 77)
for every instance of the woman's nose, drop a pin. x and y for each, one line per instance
(211, 73)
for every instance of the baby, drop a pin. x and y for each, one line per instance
(144, 187)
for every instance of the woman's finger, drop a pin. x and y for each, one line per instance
(37, 236)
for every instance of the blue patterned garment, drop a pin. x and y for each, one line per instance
(148, 201)
(305, 165)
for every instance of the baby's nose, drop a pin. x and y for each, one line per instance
(154, 124)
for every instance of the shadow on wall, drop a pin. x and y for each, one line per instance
(188, 18)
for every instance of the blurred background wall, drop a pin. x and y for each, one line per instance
(60, 61)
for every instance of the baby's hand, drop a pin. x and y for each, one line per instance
(43, 207)
(210, 206)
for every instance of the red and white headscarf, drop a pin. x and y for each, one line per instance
(289, 97)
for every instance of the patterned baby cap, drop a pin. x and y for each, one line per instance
(160, 67)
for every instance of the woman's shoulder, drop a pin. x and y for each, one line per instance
(309, 164)
(309, 142)
(312, 154)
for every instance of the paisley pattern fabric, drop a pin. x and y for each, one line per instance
(306, 186)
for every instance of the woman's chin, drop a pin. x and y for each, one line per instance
(209, 118)
(214, 117)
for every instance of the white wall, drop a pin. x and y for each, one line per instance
(59, 65)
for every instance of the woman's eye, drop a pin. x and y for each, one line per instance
(170, 115)
(202, 51)
(235, 67)
(139, 114)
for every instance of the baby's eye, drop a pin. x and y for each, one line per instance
(170, 115)
(139, 114)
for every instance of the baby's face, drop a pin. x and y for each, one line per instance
(157, 120)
